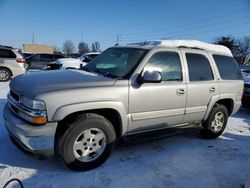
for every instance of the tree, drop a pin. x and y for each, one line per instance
(68, 47)
(227, 41)
(83, 48)
(242, 53)
(96, 47)
(240, 48)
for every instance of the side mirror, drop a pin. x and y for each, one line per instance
(150, 77)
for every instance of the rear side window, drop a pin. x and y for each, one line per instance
(6, 54)
(228, 67)
(199, 67)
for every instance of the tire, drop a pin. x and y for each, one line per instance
(216, 122)
(5, 75)
(87, 143)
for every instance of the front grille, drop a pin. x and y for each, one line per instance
(15, 96)
(13, 108)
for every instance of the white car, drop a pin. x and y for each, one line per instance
(72, 63)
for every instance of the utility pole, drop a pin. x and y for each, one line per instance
(118, 38)
(33, 38)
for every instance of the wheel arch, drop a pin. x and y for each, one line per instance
(109, 113)
(7, 69)
(228, 102)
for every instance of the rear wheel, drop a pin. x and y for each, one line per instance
(87, 143)
(5, 75)
(215, 123)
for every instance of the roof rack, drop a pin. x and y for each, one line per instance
(194, 44)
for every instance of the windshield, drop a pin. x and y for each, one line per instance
(116, 62)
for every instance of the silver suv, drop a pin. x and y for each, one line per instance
(79, 114)
(12, 63)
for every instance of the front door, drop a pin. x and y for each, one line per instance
(158, 105)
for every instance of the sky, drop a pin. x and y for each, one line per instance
(53, 22)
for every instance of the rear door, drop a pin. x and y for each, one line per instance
(202, 83)
(35, 61)
(8, 59)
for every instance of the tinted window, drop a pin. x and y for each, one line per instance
(228, 68)
(167, 63)
(7, 53)
(46, 57)
(35, 57)
(199, 67)
(58, 56)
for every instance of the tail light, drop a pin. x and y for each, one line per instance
(20, 60)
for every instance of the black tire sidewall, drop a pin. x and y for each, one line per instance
(75, 130)
(207, 131)
(9, 75)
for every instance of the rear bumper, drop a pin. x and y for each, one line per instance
(33, 139)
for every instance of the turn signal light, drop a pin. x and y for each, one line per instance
(39, 120)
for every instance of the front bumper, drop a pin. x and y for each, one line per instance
(35, 139)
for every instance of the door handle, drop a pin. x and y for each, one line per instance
(212, 89)
(180, 91)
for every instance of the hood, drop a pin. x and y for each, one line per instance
(33, 84)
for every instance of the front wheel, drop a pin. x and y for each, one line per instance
(87, 143)
(215, 123)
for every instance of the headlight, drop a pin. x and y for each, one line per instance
(37, 112)
(33, 104)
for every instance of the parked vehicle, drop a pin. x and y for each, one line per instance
(39, 61)
(26, 55)
(126, 90)
(12, 63)
(245, 72)
(72, 63)
(246, 95)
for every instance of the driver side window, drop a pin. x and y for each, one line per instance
(167, 63)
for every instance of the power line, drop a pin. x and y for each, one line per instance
(190, 23)
(193, 28)
(192, 33)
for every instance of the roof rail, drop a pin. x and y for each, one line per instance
(194, 44)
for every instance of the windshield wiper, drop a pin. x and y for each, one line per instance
(104, 73)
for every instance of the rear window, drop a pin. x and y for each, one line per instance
(6, 54)
(228, 67)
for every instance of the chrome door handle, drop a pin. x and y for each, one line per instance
(212, 89)
(180, 92)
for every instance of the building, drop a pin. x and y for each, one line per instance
(37, 48)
